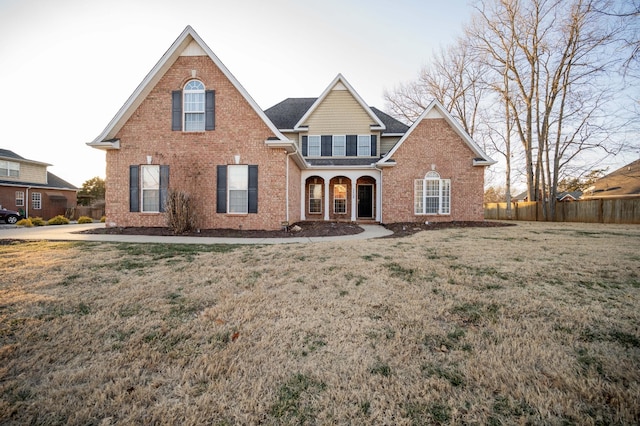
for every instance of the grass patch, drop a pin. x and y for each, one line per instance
(380, 368)
(294, 399)
(398, 271)
(451, 374)
(434, 413)
(476, 312)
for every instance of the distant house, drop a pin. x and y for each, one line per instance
(622, 183)
(26, 186)
(191, 126)
(562, 197)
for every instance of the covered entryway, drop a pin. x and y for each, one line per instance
(340, 194)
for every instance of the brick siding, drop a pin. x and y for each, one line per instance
(433, 141)
(192, 157)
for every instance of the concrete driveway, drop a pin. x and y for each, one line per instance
(71, 232)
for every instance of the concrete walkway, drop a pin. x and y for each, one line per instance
(70, 233)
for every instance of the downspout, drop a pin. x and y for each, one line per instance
(26, 203)
(375, 166)
(286, 195)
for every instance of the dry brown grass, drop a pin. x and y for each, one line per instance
(530, 324)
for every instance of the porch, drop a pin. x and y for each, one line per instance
(341, 195)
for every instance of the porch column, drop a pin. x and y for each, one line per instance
(302, 197)
(379, 199)
(354, 197)
(326, 198)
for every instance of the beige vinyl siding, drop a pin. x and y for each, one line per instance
(31, 173)
(386, 143)
(339, 114)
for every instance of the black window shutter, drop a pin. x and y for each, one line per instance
(210, 110)
(134, 184)
(325, 145)
(374, 145)
(164, 187)
(176, 110)
(221, 199)
(253, 189)
(352, 145)
(305, 145)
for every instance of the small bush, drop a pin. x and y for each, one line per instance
(85, 219)
(103, 219)
(58, 220)
(179, 212)
(37, 221)
(25, 222)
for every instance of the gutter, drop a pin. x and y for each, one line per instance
(286, 194)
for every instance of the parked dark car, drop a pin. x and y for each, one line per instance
(9, 216)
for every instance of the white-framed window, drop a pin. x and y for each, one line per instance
(315, 198)
(432, 195)
(194, 119)
(314, 146)
(339, 198)
(150, 184)
(364, 145)
(238, 188)
(19, 198)
(339, 146)
(36, 200)
(9, 168)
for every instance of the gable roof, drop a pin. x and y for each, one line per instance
(340, 80)
(106, 139)
(435, 109)
(622, 182)
(10, 155)
(392, 125)
(287, 113)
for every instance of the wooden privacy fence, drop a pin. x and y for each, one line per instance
(602, 210)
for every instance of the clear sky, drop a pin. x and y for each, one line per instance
(67, 66)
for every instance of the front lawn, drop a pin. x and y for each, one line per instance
(535, 323)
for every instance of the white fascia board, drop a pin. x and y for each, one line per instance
(340, 79)
(105, 145)
(156, 73)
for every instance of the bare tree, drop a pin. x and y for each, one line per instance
(541, 72)
(454, 78)
(555, 55)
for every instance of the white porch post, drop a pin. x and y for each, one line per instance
(379, 199)
(326, 198)
(354, 204)
(302, 197)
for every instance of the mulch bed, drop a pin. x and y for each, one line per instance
(308, 229)
(403, 229)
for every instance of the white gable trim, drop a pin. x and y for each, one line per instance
(436, 110)
(182, 45)
(339, 83)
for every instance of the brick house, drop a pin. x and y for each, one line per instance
(27, 187)
(191, 126)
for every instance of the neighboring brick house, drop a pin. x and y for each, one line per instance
(26, 186)
(191, 126)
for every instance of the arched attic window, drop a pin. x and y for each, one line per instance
(194, 106)
(432, 195)
(193, 109)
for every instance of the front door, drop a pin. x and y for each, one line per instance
(365, 201)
